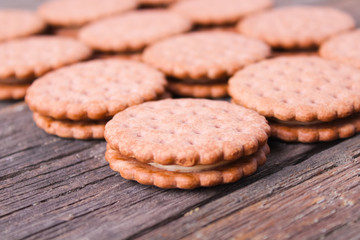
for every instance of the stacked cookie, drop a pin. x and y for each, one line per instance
(199, 64)
(77, 101)
(186, 143)
(306, 99)
(23, 60)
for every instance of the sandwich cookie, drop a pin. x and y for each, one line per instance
(133, 31)
(186, 143)
(69, 13)
(306, 99)
(219, 12)
(344, 48)
(203, 59)
(19, 23)
(77, 101)
(23, 60)
(297, 26)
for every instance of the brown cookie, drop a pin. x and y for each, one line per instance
(296, 26)
(13, 91)
(150, 175)
(211, 55)
(341, 128)
(31, 57)
(133, 31)
(304, 89)
(79, 12)
(70, 129)
(19, 23)
(344, 48)
(217, 12)
(212, 90)
(186, 132)
(94, 90)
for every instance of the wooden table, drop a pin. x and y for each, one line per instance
(52, 188)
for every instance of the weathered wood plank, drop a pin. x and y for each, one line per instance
(276, 186)
(50, 186)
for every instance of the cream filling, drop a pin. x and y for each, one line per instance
(196, 168)
(296, 123)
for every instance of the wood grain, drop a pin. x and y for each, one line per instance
(52, 188)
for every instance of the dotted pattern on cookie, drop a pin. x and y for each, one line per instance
(341, 128)
(19, 23)
(79, 12)
(32, 57)
(296, 27)
(344, 48)
(209, 54)
(186, 132)
(298, 88)
(13, 91)
(94, 90)
(133, 31)
(70, 129)
(146, 174)
(207, 12)
(216, 90)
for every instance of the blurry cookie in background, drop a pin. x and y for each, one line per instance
(70, 13)
(296, 26)
(199, 64)
(219, 12)
(24, 60)
(15, 23)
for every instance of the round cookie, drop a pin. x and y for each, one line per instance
(134, 30)
(79, 12)
(70, 129)
(31, 57)
(304, 89)
(217, 12)
(94, 90)
(13, 91)
(296, 26)
(344, 48)
(204, 56)
(146, 174)
(213, 90)
(19, 23)
(186, 132)
(328, 131)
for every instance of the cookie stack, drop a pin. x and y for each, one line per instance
(77, 101)
(306, 99)
(23, 60)
(199, 64)
(186, 143)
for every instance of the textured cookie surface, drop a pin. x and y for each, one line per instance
(207, 12)
(344, 48)
(70, 129)
(13, 91)
(32, 57)
(19, 23)
(216, 90)
(296, 27)
(94, 90)
(340, 128)
(133, 31)
(211, 54)
(298, 88)
(80, 12)
(186, 132)
(149, 175)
